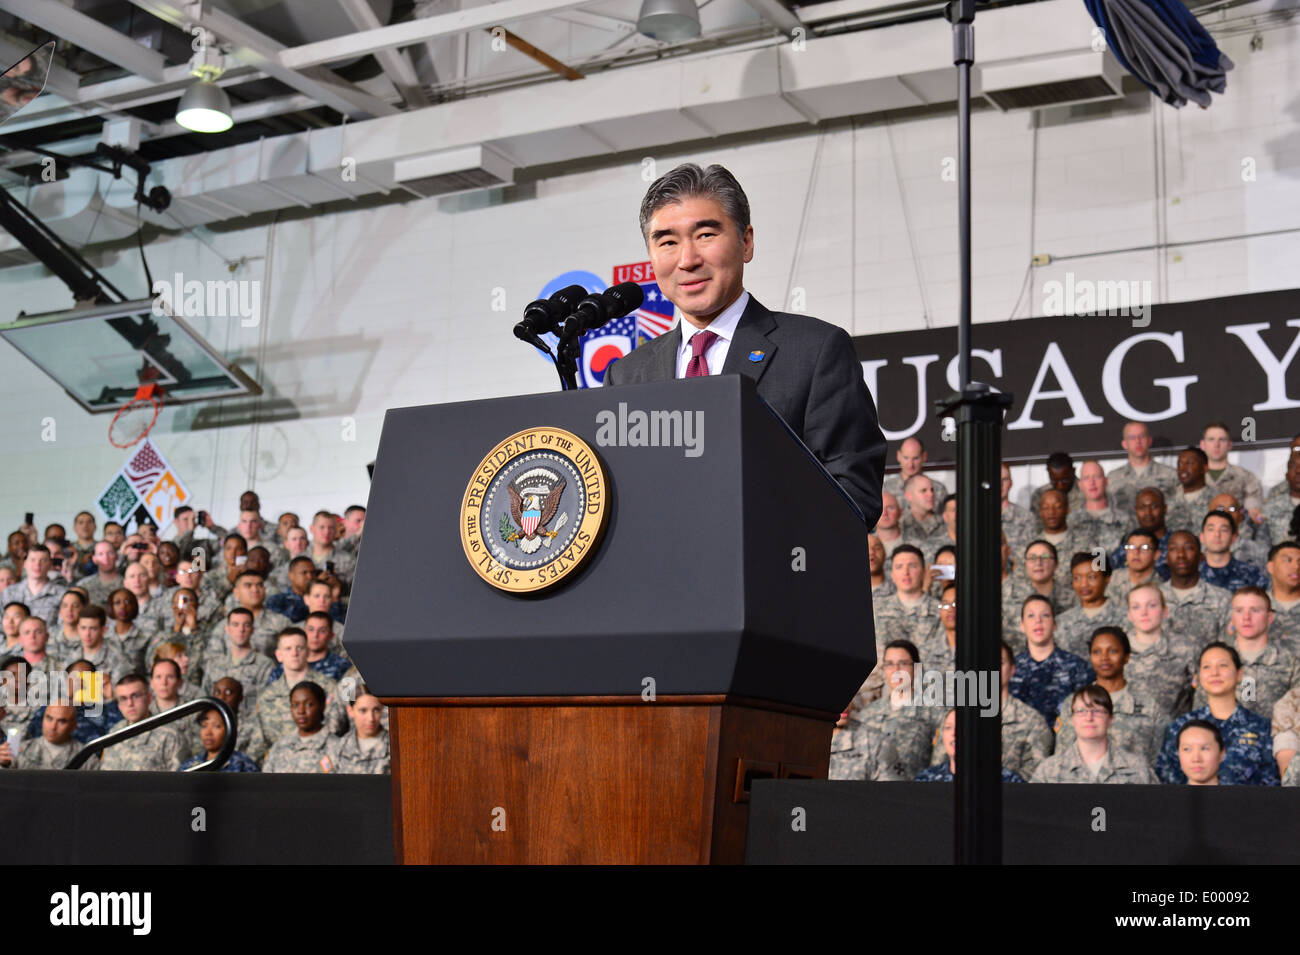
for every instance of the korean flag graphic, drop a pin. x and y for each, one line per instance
(604, 346)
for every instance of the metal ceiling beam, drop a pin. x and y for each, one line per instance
(243, 113)
(89, 34)
(114, 95)
(254, 48)
(396, 64)
(419, 30)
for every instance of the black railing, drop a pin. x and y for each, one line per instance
(177, 712)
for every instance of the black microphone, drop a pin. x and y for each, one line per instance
(546, 315)
(595, 310)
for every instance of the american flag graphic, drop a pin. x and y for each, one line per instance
(655, 316)
(145, 467)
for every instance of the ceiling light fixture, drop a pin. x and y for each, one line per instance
(669, 21)
(205, 107)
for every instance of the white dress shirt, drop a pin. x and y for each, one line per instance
(724, 326)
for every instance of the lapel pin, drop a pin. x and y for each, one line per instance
(757, 355)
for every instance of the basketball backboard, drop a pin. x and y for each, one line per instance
(101, 355)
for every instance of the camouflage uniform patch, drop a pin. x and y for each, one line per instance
(374, 760)
(1124, 483)
(158, 750)
(1163, 674)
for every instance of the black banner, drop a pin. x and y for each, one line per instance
(1079, 377)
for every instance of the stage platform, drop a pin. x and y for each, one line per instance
(111, 818)
(911, 824)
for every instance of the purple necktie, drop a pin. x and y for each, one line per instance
(700, 342)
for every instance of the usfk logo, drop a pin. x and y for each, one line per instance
(534, 510)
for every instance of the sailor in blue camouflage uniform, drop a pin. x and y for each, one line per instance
(1248, 760)
(1218, 567)
(944, 772)
(1045, 674)
(212, 734)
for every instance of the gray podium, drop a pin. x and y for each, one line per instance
(710, 636)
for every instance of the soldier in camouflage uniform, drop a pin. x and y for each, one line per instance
(944, 772)
(310, 748)
(158, 750)
(15, 708)
(1039, 578)
(1068, 541)
(1198, 613)
(36, 591)
(248, 735)
(107, 655)
(1187, 505)
(273, 714)
(1160, 665)
(1137, 723)
(1225, 478)
(911, 458)
(1140, 471)
(1248, 756)
(910, 613)
(250, 592)
(365, 749)
(1284, 574)
(105, 579)
(354, 522)
(1139, 567)
(1092, 757)
(1268, 671)
(856, 753)
(887, 530)
(1026, 742)
(245, 664)
(898, 715)
(881, 585)
(1150, 514)
(1075, 627)
(324, 553)
(1279, 509)
(919, 520)
(1061, 477)
(53, 748)
(1018, 524)
(1100, 519)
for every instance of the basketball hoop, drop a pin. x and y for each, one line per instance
(135, 418)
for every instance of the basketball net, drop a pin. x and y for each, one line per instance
(136, 418)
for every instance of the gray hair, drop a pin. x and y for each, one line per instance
(689, 181)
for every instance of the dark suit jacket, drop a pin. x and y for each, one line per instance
(810, 375)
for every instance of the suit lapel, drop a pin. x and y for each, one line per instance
(665, 359)
(751, 337)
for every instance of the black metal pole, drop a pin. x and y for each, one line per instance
(977, 831)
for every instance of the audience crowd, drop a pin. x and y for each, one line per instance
(101, 632)
(1150, 624)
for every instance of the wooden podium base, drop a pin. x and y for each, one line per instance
(590, 779)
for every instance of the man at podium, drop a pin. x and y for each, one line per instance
(696, 226)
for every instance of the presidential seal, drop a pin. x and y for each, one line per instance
(534, 510)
